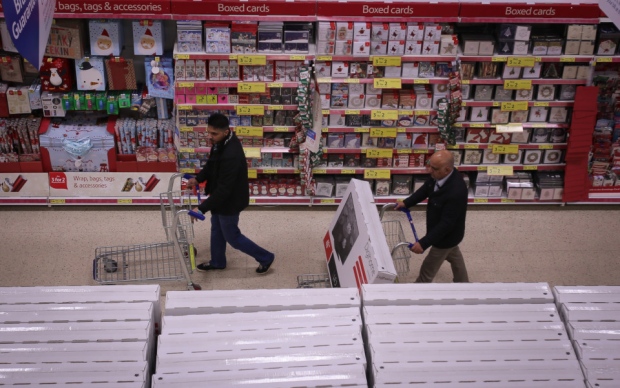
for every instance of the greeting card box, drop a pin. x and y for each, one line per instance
(148, 37)
(56, 75)
(513, 158)
(11, 69)
(81, 143)
(106, 37)
(90, 74)
(355, 245)
(18, 100)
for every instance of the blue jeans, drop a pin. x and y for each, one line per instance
(225, 229)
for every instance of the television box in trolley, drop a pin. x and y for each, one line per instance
(355, 245)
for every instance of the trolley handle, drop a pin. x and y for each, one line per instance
(196, 215)
(415, 234)
(196, 189)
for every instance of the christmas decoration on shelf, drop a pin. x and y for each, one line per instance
(304, 122)
(448, 109)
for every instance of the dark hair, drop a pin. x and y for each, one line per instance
(218, 121)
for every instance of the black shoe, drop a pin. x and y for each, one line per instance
(204, 267)
(263, 268)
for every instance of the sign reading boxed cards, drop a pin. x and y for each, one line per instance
(355, 246)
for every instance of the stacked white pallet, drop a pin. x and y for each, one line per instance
(100, 336)
(467, 335)
(261, 338)
(592, 317)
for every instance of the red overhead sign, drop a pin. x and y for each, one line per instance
(113, 6)
(244, 8)
(395, 9)
(533, 11)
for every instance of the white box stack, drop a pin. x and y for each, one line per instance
(261, 338)
(467, 335)
(101, 335)
(592, 317)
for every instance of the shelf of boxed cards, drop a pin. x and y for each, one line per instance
(403, 81)
(390, 151)
(101, 201)
(380, 129)
(529, 103)
(500, 81)
(383, 112)
(392, 199)
(282, 129)
(609, 59)
(362, 170)
(401, 58)
(525, 58)
(524, 125)
(254, 85)
(476, 146)
(249, 151)
(252, 109)
(281, 200)
(515, 167)
(244, 59)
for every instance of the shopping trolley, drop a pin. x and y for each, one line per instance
(170, 260)
(400, 250)
(173, 200)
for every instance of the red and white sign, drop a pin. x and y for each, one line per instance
(99, 184)
(244, 8)
(529, 11)
(24, 185)
(155, 7)
(388, 10)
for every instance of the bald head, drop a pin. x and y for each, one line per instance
(441, 164)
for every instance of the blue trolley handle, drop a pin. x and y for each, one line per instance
(197, 189)
(415, 234)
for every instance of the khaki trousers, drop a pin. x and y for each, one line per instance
(435, 258)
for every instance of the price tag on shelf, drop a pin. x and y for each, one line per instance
(184, 107)
(510, 106)
(379, 153)
(326, 201)
(324, 80)
(465, 82)
(252, 152)
(250, 110)
(181, 56)
(477, 125)
(233, 57)
(420, 151)
(352, 112)
(530, 168)
(347, 171)
(124, 201)
(545, 147)
(249, 131)
(275, 85)
(404, 151)
(541, 104)
(325, 112)
(481, 168)
(251, 87)
(275, 107)
(387, 83)
(471, 146)
(57, 201)
(187, 170)
(507, 200)
(406, 112)
(351, 81)
(539, 125)
(297, 58)
(401, 130)
(185, 84)
(186, 129)
(382, 132)
(186, 149)
(481, 200)
(604, 60)
(252, 60)
(319, 171)
(361, 130)
(421, 81)
(519, 84)
(505, 149)
(499, 170)
(567, 59)
(376, 174)
(509, 128)
(386, 61)
(282, 129)
(324, 58)
(422, 112)
(499, 59)
(379, 114)
(252, 201)
(270, 171)
(521, 61)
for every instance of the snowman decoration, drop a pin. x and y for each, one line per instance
(89, 78)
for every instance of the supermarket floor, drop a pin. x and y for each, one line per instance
(574, 245)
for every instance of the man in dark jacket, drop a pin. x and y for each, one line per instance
(226, 174)
(445, 218)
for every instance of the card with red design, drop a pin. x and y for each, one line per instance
(56, 75)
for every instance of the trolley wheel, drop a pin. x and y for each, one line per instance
(195, 251)
(110, 265)
(194, 286)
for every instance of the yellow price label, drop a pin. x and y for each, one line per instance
(505, 149)
(186, 129)
(182, 56)
(604, 60)
(352, 112)
(482, 168)
(401, 130)
(57, 201)
(382, 132)
(521, 61)
(319, 171)
(421, 81)
(325, 111)
(545, 147)
(510, 106)
(520, 84)
(541, 104)
(420, 151)
(507, 200)
(252, 60)
(376, 174)
(280, 129)
(422, 112)
(124, 201)
(386, 61)
(275, 107)
(187, 170)
(327, 201)
(465, 82)
(352, 81)
(250, 110)
(406, 112)
(481, 200)
(233, 57)
(539, 125)
(186, 149)
(251, 87)
(275, 84)
(252, 152)
(530, 168)
(347, 171)
(567, 59)
(201, 99)
(252, 201)
(249, 131)
(404, 151)
(499, 59)
(471, 146)
(477, 125)
(379, 153)
(361, 130)
(324, 58)
(185, 84)
(387, 83)
(509, 128)
(270, 171)
(500, 170)
(297, 57)
(184, 107)
(378, 114)
(324, 80)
